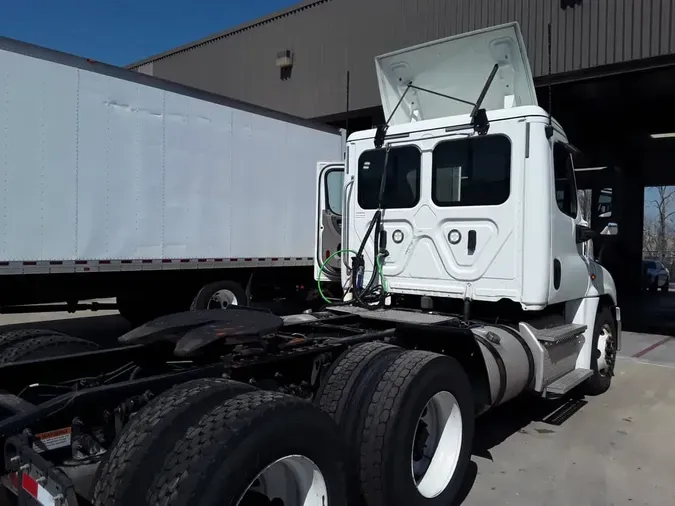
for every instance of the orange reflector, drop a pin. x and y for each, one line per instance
(592, 277)
(327, 254)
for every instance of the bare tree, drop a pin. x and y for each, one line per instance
(650, 234)
(657, 228)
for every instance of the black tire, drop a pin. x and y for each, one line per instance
(221, 455)
(45, 346)
(14, 337)
(666, 286)
(401, 396)
(345, 394)
(129, 467)
(599, 383)
(201, 300)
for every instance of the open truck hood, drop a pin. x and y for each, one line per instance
(458, 66)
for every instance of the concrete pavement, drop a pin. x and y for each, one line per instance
(618, 449)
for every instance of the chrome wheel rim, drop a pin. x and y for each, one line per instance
(290, 481)
(222, 299)
(437, 445)
(606, 351)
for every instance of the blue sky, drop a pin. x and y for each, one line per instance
(123, 31)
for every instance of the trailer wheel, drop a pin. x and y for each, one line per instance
(14, 337)
(43, 346)
(345, 395)
(257, 448)
(219, 295)
(603, 356)
(128, 468)
(418, 432)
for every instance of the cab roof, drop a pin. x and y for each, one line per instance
(459, 122)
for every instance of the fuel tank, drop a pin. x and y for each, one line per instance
(508, 360)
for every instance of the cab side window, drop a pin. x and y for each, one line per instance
(334, 189)
(565, 183)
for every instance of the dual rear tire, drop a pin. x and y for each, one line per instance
(408, 419)
(219, 442)
(33, 344)
(392, 427)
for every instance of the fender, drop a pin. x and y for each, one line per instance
(602, 283)
(601, 290)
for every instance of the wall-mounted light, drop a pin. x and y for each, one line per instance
(285, 59)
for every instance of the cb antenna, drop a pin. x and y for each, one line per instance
(347, 105)
(549, 128)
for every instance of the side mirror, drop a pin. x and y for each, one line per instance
(610, 229)
(584, 234)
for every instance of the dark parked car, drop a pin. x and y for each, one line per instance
(655, 275)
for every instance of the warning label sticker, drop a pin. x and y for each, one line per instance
(53, 439)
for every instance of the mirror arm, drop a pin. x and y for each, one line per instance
(584, 234)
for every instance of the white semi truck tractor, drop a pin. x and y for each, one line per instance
(454, 235)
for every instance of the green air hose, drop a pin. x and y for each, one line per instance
(325, 263)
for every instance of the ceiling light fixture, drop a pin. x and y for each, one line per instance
(663, 136)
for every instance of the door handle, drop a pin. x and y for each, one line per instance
(471, 242)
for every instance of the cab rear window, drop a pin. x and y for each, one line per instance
(402, 187)
(472, 172)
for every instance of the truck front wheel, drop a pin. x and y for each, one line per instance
(603, 355)
(418, 432)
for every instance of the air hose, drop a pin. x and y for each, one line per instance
(325, 263)
(361, 295)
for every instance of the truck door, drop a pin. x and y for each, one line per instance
(330, 191)
(570, 271)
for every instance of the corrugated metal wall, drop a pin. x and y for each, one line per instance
(336, 36)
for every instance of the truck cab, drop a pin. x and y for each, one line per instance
(468, 195)
(480, 216)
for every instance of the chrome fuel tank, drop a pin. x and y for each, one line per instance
(508, 360)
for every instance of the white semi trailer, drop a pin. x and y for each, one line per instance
(466, 285)
(118, 184)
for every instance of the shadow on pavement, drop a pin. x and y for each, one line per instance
(498, 425)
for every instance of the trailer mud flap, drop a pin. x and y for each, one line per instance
(33, 479)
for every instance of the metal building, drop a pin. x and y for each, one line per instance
(609, 79)
(327, 39)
